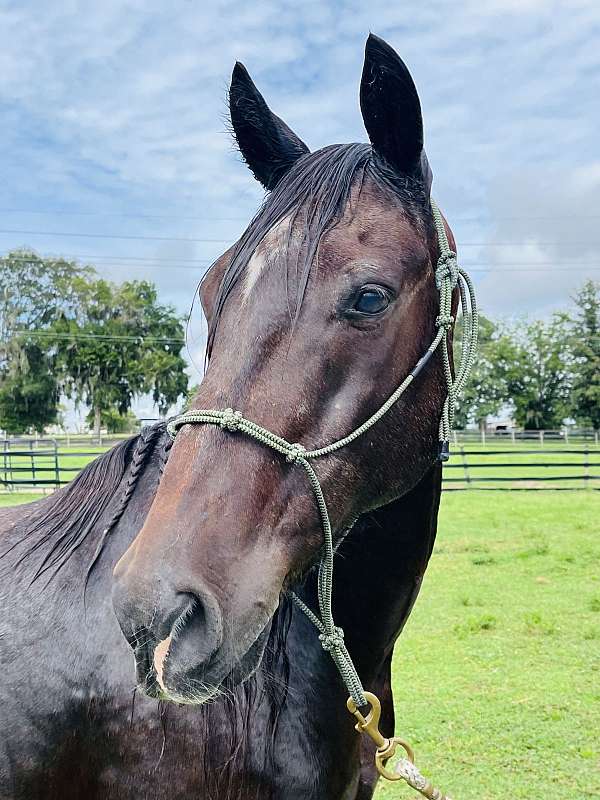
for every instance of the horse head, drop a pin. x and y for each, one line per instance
(315, 316)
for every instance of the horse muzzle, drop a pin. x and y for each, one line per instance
(177, 639)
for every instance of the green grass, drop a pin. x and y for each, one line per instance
(497, 674)
(17, 498)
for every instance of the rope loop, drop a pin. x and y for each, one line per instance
(230, 419)
(444, 321)
(447, 267)
(332, 641)
(295, 453)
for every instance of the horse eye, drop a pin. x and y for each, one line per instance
(372, 300)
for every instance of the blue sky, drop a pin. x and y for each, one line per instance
(114, 126)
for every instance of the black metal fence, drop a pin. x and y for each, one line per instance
(523, 468)
(43, 464)
(39, 463)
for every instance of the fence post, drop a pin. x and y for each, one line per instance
(56, 465)
(463, 456)
(586, 469)
(567, 435)
(5, 460)
(483, 436)
(542, 438)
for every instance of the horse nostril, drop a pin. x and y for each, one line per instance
(188, 636)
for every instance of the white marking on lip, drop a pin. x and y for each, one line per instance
(160, 653)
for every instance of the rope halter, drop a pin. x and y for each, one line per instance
(448, 276)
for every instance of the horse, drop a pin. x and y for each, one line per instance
(149, 644)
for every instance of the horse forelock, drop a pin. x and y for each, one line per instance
(307, 203)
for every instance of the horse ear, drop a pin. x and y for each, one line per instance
(268, 146)
(390, 108)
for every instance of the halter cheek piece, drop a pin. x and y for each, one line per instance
(448, 276)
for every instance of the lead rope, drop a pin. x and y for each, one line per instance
(448, 276)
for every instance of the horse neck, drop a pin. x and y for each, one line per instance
(379, 570)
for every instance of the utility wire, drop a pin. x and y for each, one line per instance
(114, 337)
(151, 262)
(126, 215)
(141, 337)
(229, 241)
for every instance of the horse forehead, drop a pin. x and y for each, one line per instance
(382, 231)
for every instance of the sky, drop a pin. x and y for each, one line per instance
(116, 150)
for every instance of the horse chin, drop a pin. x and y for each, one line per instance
(204, 684)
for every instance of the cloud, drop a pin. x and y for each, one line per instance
(117, 109)
(554, 216)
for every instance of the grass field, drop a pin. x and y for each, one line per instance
(497, 674)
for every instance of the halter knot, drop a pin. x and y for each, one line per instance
(447, 267)
(230, 419)
(295, 453)
(444, 321)
(332, 641)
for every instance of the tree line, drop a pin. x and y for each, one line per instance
(542, 372)
(65, 332)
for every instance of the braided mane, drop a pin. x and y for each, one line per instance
(75, 511)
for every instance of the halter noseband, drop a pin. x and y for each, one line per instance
(448, 276)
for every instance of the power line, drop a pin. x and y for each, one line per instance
(151, 262)
(228, 241)
(127, 215)
(165, 340)
(111, 236)
(65, 213)
(82, 257)
(176, 260)
(114, 337)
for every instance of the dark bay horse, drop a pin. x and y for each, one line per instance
(315, 316)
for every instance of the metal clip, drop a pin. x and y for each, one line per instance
(386, 748)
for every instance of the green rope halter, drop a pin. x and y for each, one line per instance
(448, 276)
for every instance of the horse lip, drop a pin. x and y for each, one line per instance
(210, 688)
(144, 671)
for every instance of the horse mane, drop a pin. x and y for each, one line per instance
(315, 193)
(60, 527)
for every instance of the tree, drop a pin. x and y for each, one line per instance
(34, 292)
(121, 344)
(538, 366)
(486, 389)
(585, 397)
(28, 391)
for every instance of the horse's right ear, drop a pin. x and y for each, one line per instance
(268, 146)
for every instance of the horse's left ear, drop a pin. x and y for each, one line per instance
(391, 109)
(269, 147)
